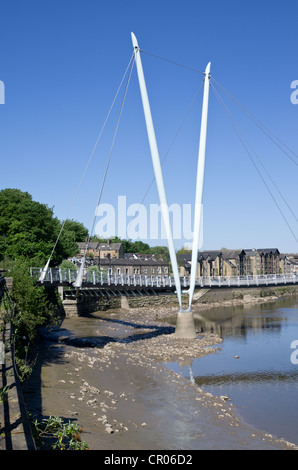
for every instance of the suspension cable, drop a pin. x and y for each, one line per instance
(169, 148)
(259, 124)
(172, 62)
(230, 117)
(91, 155)
(266, 171)
(110, 153)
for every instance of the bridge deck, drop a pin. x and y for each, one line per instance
(58, 277)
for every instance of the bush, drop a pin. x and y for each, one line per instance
(35, 305)
(66, 264)
(53, 433)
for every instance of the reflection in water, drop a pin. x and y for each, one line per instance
(253, 365)
(187, 363)
(237, 321)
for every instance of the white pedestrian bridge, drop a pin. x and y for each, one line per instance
(58, 276)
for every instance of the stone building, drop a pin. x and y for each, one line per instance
(245, 262)
(288, 263)
(263, 261)
(139, 266)
(209, 263)
(100, 250)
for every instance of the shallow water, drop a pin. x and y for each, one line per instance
(254, 366)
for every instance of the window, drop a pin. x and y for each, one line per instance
(110, 271)
(118, 271)
(166, 270)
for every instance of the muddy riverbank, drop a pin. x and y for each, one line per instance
(107, 372)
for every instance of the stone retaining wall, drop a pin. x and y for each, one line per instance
(84, 306)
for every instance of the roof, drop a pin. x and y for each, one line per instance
(91, 245)
(132, 262)
(231, 254)
(184, 257)
(267, 251)
(212, 254)
(110, 246)
(99, 246)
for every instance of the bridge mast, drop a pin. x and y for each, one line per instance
(199, 188)
(157, 166)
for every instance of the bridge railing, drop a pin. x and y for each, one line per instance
(251, 280)
(56, 275)
(62, 276)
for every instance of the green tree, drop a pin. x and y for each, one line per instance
(160, 252)
(31, 229)
(77, 228)
(66, 264)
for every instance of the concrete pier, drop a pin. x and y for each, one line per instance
(185, 326)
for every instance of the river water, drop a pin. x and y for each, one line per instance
(255, 366)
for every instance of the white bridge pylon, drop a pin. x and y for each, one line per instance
(159, 176)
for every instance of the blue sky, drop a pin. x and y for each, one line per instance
(62, 62)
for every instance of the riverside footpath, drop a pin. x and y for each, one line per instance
(15, 431)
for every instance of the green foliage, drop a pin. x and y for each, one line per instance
(24, 366)
(4, 393)
(183, 251)
(55, 434)
(160, 252)
(138, 247)
(66, 264)
(94, 269)
(31, 229)
(35, 306)
(77, 228)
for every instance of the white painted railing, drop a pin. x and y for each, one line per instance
(60, 276)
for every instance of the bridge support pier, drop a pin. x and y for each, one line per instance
(185, 326)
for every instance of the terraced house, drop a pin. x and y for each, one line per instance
(245, 262)
(98, 250)
(110, 257)
(135, 266)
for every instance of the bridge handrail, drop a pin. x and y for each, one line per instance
(57, 275)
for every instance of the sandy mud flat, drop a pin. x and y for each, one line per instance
(107, 372)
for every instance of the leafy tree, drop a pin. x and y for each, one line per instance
(183, 251)
(160, 252)
(77, 228)
(66, 264)
(31, 230)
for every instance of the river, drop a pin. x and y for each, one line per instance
(114, 368)
(255, 366)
